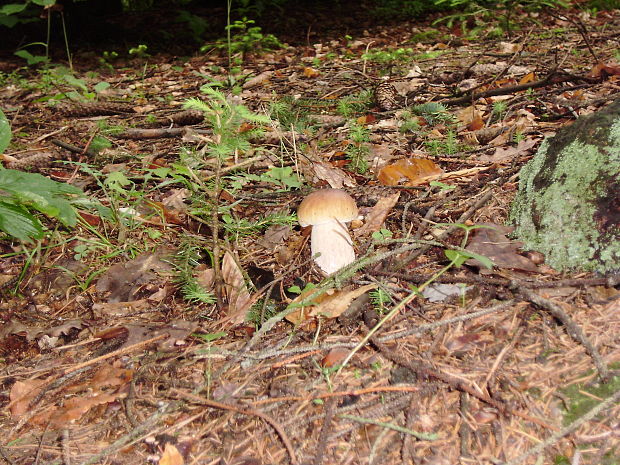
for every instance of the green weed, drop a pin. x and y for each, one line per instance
(355, 104)
(358, 150)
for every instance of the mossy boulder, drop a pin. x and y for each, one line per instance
(568, 204)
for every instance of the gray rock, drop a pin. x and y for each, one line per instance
(568, 204)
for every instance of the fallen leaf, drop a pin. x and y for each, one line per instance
(493, 244)
(22, 393)
(328, 305)
(125, 280)
(237, 294)
(310, 72)
(377, 215)
(335, 177)
(503, 154)
(171, 456)
(408, 169)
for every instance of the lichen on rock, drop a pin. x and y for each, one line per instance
(568, 204)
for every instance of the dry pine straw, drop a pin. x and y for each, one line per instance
(504, 361)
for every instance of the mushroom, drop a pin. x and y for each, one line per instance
(327, 211)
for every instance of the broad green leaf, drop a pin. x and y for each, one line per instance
(101, 86)
(44, 2)
(13, 8)
(75, 82)
(17, 222)
(5, 132)
(36, 191)
(8, 21)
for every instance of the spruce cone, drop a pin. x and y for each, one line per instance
(183, 118)
(386, 96)
(78, 109)
(32, 162)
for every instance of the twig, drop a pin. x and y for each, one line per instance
(552, 78)
(400, 429)
(275, 425)
(66, 453)
(325, 430)
(73, 148)
(572, 328)
(590, 415)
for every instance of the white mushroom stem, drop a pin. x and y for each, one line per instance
(333, 242)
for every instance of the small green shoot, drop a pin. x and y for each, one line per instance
(382, 235)
(358, 150)
(442, 186)
(209, 337)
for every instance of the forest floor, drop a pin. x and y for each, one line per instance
(155, 331)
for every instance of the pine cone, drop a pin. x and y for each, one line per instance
(386, 96)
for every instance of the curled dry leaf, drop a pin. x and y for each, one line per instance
(408, 170)
(331, 304)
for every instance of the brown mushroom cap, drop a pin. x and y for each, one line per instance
(327, 205)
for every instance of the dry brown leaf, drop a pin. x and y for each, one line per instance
(407, 170)
(22, 393)
(334, 357)
(508, 153)
(310, 72)
(377, 215)
(602, 70)
(493, 244)
(328, 305)
(171, 456)
(106, 376)
(256, 80)
(239, 299)
(335, 177)
(124, 280)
